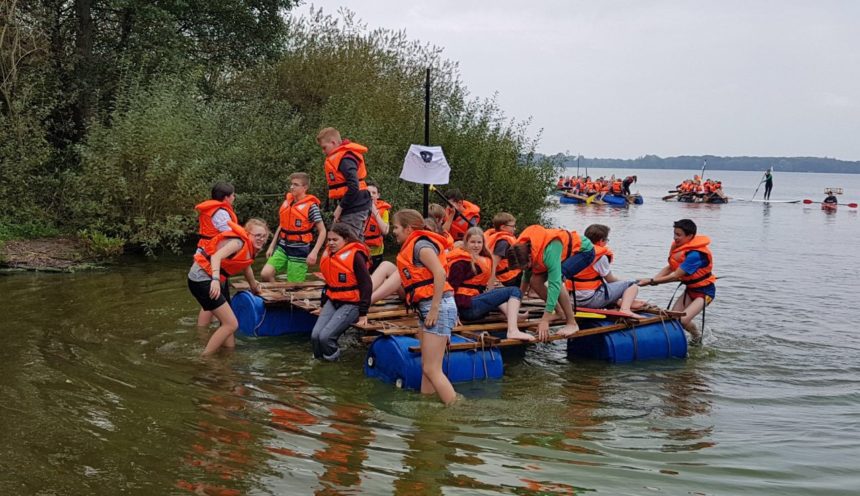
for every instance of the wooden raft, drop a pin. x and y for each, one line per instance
(390, 317)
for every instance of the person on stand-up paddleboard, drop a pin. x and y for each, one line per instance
(768, 183)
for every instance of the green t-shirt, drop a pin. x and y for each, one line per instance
(552, 261)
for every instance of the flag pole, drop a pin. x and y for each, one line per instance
(427, 135)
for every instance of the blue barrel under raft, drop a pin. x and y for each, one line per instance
(256, 319)
(390, 360)
(660, 340)
(568, 200)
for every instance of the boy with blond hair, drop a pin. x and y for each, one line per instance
(290, 251)
(345, 173)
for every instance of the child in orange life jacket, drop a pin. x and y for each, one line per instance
(290, 250)
(691, 262)
(377, 226)
(455, 223)
(228, 253)
(422, 265)
(346, 298)
(469, 272)
(596, 286)
(499, 239)
(213, 217)
(386, 280)
(345, 173)
(547, 256)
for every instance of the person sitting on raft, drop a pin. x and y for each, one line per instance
(499, 239)
(691, 262)
(386, 281)
(422, 265)
(470, 269)
(546, 256)
(346, 296)
(213, 216)
(830, 198)
(596, 286)
(463, 215)
(228, 253)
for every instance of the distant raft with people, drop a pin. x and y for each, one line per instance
(475, 350)
(567, 198)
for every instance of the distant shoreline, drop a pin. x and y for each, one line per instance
(760, 164)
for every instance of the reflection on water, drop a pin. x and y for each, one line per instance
(101, 390)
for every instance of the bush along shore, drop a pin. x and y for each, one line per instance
(105, 143)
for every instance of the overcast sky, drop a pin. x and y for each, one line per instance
(613, 78)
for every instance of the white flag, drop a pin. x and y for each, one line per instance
(425, 165)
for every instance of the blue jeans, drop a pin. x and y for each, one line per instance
(447, 315)
(331, 323)
(574, 264)
(485, 303)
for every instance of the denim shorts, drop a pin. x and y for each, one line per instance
(447, 315)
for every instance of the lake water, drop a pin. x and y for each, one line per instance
(101, 390)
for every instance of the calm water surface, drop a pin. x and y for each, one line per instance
(101, 390)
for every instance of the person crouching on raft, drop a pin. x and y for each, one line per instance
(469, 272)
(596, 286)
(346, 297)
(422, 265)
(228, 253)
(691, 262)
(548, 256)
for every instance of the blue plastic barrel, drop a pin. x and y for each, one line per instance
(256, 319)
(390, 360)
(660, 340)
(615, 200)
(567, 200)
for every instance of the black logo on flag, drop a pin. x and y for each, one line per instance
(426, 156)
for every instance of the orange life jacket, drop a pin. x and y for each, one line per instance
(296, 226)
(372, 233)
(702, 277)
(460, 226)
(206, 210)
(589, 278)
(235, 263)
(504, 272)
(616, 187)
(418, 281)
(540, 237)
(337, 181)
(338, 270)
(478, 283)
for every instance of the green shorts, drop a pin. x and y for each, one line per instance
(296, 268)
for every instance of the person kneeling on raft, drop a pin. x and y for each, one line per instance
(470, 270)
(346, 297)
(596, 286)
(691, 262)
(228, 253)
(546, 257)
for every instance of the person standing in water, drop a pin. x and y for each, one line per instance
(768, 183)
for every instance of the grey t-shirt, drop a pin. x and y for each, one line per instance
(420, 245)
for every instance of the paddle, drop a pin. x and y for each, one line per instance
(590, 199)
(759, 186)
(669, 197)
(809, 202)
(450, 203)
